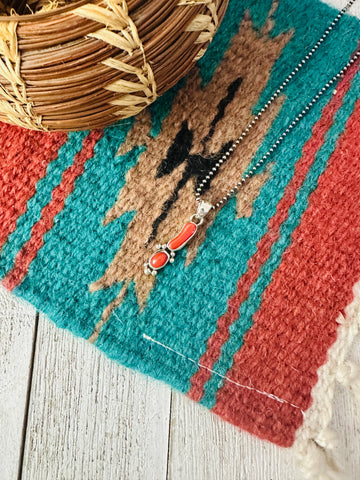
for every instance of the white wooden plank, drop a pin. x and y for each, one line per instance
(354, 9)
(203, 446)
(90, 418)
(105, 423)
(346, 421)
(17, 321)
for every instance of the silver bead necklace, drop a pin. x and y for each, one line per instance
(166, 253)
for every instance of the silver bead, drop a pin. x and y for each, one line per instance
(275, 94)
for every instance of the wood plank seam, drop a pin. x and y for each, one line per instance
(28, 396)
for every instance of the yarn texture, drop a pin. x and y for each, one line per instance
(254, 317)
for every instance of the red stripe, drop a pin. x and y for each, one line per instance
(296, 323)
(30, 249)
(24, 157)
(221, 335)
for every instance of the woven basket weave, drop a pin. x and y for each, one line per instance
(86, 65)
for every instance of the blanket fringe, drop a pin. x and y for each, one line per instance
(315, 456)
(315, 442)
(348, 375)
(319, 463)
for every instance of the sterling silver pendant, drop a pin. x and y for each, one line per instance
(166, 253)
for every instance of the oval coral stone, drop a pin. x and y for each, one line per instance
(183, 237)
(159, 260)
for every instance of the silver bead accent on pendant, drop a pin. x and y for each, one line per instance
(166, 253)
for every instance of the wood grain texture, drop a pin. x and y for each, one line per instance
(346, 422)
(92, 419)
(202, 446)
(17, 322)
(89, 418)
(69, 413)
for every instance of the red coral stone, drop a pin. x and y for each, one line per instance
(183, 237)
(159, 260)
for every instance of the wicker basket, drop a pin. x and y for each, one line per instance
(86, 65)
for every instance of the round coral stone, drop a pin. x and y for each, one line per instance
(159, 260)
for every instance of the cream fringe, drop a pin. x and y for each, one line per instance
(315, 440)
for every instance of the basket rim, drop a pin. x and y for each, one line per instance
(42, 15)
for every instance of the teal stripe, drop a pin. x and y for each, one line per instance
(184, 305)
(253, 302)
(40, 199)
(78, 248)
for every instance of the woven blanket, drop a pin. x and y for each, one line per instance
(254, 317)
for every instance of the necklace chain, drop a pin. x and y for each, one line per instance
(166, 252)
(256, 118)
